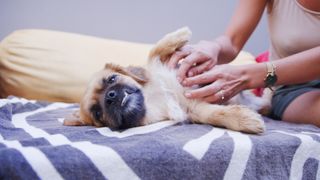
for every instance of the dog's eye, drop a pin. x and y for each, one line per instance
(111, 79)
(96, 112)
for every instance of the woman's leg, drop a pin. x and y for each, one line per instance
(304, 109)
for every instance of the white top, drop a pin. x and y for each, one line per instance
(292, 28)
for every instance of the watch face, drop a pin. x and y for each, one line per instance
(271, 80)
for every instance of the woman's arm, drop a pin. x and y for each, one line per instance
(225, 48)
(243, 22)
(294, 69)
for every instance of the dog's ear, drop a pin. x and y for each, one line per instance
(73, 120)
(138, 73)
(115, 68)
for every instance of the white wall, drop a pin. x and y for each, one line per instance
(132, 20)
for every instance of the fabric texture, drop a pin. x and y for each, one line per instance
(56, 66)
(35, 145)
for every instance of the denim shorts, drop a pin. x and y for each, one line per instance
(284, 95)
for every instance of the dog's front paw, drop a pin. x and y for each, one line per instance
(233, 117)
(249, 121)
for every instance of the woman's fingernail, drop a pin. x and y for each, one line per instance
(187, 94)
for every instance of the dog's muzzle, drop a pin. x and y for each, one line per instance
(118, 95)
(124, 105)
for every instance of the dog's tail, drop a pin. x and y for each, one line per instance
(169, 44)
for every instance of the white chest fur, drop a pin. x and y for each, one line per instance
(163, 94)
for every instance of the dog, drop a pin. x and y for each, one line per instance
(125, 97)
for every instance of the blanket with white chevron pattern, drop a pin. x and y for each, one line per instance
(35, 145)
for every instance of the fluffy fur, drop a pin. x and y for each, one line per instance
(121, 98)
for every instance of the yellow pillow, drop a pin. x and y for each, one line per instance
(56, 66)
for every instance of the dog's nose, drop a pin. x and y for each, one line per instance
(111, 97)
(112, 94)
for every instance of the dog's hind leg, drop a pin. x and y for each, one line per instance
(234, 117)
(166, 46)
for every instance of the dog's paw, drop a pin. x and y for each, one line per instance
(166, 46)
(241, 118)
(252, 125)
(250, 122)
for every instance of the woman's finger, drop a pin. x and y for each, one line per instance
(214, 98)
(220, 97)
(227, 91)
(185, 65)
(176, 57)
(188, 62)
(199, 69)
(203, 91)
(201, 79)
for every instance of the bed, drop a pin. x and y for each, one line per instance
(35, 145)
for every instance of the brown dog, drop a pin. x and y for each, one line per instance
(121, 98)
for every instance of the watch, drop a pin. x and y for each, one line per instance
(271, 77)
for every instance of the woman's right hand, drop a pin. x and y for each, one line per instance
(195, 59)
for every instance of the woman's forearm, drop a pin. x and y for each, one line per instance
(243, 22)
(227, 51)
(298, 68)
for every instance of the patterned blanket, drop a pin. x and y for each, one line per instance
(35, 145)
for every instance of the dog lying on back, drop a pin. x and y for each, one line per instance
(124, 97)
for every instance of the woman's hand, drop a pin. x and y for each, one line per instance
(217, 85)
(195, 59)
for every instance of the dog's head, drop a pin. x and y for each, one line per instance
(114, 98)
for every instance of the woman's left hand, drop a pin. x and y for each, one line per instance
(217, 85)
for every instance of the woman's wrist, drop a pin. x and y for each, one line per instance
(227, 52)
(253, 75)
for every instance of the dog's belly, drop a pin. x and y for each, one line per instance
(164, 97)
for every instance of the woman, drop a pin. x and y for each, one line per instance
(294, 67)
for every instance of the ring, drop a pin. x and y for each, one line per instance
(222, 94)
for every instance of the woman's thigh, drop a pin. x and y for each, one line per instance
(304, 109)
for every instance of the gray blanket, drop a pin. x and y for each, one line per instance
(35, 145)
